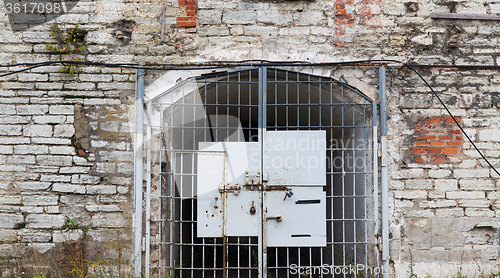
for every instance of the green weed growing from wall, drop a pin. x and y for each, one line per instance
(70, 43)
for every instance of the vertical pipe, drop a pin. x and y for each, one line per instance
(138, 179)
(148, 190)
(384, 174)
(375, 174)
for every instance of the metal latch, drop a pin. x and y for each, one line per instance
(252, 178)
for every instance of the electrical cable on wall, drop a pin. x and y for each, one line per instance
(232, 64)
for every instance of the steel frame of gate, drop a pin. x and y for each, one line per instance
(169, 235)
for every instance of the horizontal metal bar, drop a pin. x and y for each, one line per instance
(465, 16)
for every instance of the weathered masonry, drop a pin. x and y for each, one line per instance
(116, 166)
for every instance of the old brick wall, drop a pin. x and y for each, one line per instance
(66, 141)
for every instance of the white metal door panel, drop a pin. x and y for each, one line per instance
(299, 220)
(296, 158)
(242, 220)
(210, 206)
(240, 158)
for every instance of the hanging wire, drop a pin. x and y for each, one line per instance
(232, 64)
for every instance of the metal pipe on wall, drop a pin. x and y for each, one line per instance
(384, 174)
(138, 173)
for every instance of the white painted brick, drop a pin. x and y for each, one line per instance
(68, 188)
(55, 178)
(403, 203)
(476, 184)
(49, 86)
(14, 119)
(110, 126)
(8, 236)
(479, 212)
(9, 209)
(490, 134)
(450, 212)
(108, 220)
(74, 170)
(31, 209)
(85, 179)
(82, 161)
(51, 209)
(6, 149)
(32, 77)
(11, 221)
(62, 109)
(32, 109)
(100, 101)
(102, 167)
(465, 195)
(49, 119)
(468, 163)
(413, 194)
(493, 195)
(125, 168)
(108, 144)
(31, 149)
(96, 77)
(474, 203)
(37, 131)
(54, 160)
(12, 168)
(43, 169)
(115, 86)
(14, 140)
(65, 236)
(418, 184)
(103, 208)
(28, 235)
(101, 189)
(438, 204)
(9, 130)
(10, 200)
(21, 159)
(446, 185)
(420, 213)
(64, 130)
(80, 86)
(408, 174)
(62, 150)
(51, 141)
(471, 173)
(40, 200)
(116, 155)
(32, 185)
(45, 221)
(439, 174)
(8, 109)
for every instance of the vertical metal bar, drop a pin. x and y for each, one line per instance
(148, 191)
(163, 23)
(262, 137)
(384, 173)
(138, 173)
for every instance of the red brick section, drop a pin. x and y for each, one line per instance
(343, 19)
(438, 140)
(190, 19)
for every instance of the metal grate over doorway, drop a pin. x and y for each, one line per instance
(241, 106)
